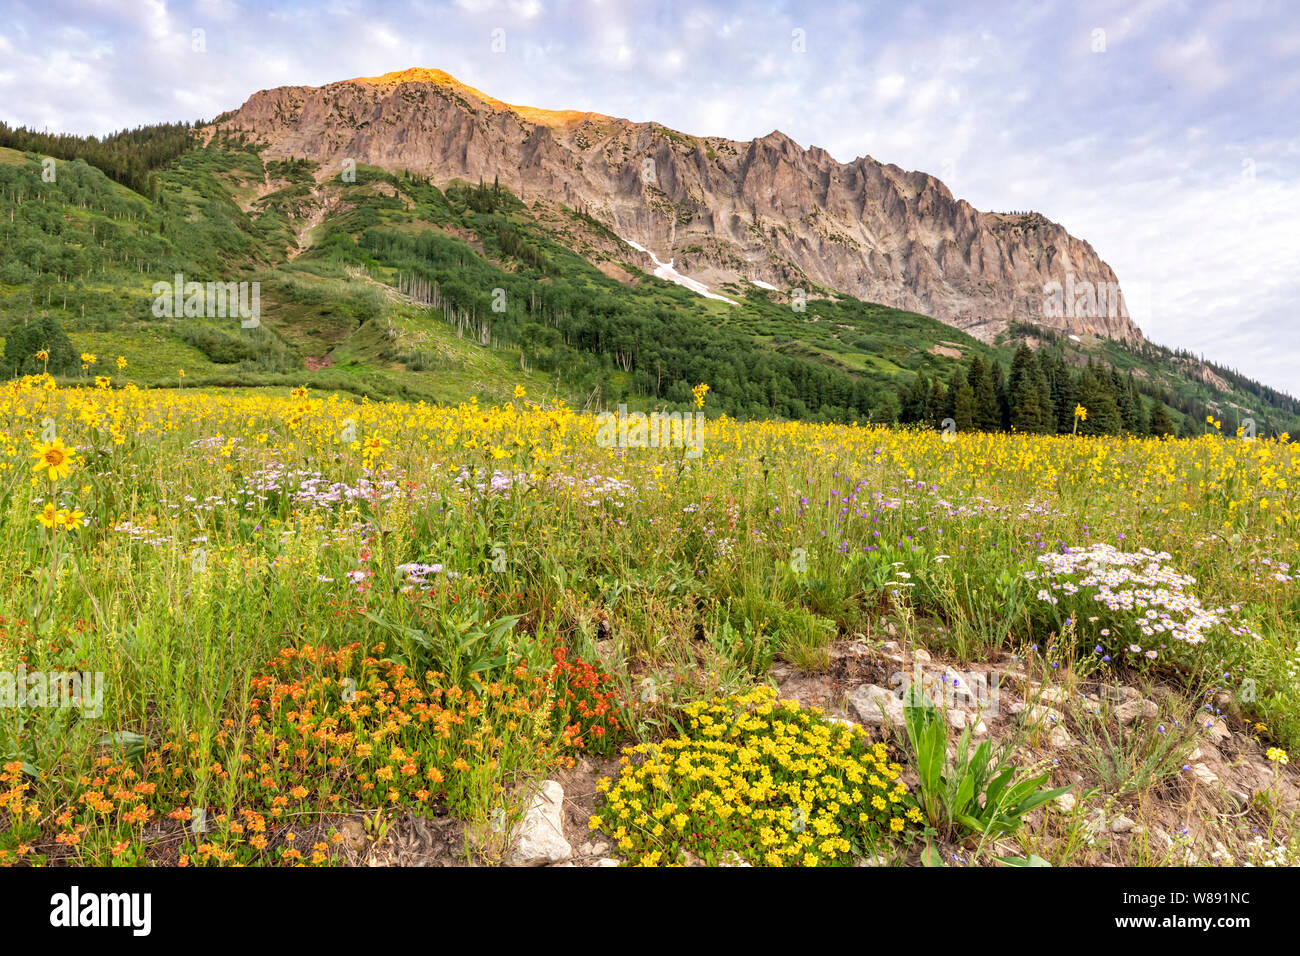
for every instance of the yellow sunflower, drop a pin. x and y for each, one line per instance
(48, 516)
(55, 458)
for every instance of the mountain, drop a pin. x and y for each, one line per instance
(709, 209)
(396, 284)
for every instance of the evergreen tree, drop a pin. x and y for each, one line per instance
(1029, 395)
(1004, 399)
(1143, 426)
(1061, 382)
(935, 403)
(1128, 409)
(1095, 394)
(960, 403)
(988, 413)
(914, 407)
(1160, 423)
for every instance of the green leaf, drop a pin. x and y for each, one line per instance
(965, 791)
(1031, 860)
(1037, 800)
(996, 786)
(132, 744)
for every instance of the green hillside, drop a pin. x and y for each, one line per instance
(389, 287)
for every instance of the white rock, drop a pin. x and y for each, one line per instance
(922, 655)
(1131, 710)
(1119, 693)
(1121, 824)
(607, 861)
(876, 705)
(1065, 802)
(1204, 775)
(539, 839)
(1042, 714)
(1216, 729)
(1059, 737)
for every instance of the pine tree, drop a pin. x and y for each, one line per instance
(1160, 423)
(960, 404)
(1062, 384)
(1096, 395)
(1004, 399)
(1143, 426)
(1029, 395)
(988, 414)
(914, 407)
(1128, 409)
(935, 403)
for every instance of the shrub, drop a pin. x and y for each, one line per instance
(27, 337)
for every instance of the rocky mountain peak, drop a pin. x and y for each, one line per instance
(766, 211)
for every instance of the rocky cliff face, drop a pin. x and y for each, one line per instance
(767, 211)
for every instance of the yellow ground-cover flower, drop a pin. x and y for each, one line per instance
(763, 779)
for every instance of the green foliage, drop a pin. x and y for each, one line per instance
(129, 157)
(86, 251)
(458, 642)
(25, 338)
(976, 792)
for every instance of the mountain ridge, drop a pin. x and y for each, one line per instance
(766, 210)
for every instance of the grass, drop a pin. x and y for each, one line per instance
(243, 560)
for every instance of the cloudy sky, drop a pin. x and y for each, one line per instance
(1165, 133)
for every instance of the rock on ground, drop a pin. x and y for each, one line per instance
(539, 839)
(875, 705)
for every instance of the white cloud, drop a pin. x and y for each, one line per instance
(1137, 149)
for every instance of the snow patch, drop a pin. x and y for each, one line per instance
(667, 272)
(764, 285)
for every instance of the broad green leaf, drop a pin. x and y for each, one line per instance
(1030, 860)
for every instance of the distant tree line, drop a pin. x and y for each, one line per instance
(1039, 395)
(129, 157)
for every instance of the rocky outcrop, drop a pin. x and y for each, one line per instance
(768, 210)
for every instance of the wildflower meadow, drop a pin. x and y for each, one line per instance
(304, 609)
